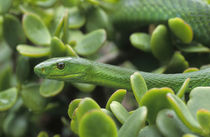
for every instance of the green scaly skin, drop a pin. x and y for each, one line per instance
(127, 14)
(86, 71)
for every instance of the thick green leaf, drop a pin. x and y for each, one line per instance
(194, 48)
(57, 48)
(160, 44)
(169, 124)
(13, 31)
(15, 125)
(203, 117)
(84, 87)
(199, 99)
(5, 76)
(183, 113)
(150, 131)
(183, 88)
(42, 134)
(50, 88)
(72, 106)
(22, 69)
(178, 63)
(91, 42)
(98, 19)
(138, 85)
(32, 99)
(119, 111)
(134, 123)
(97, 124)
(33, 52)
(189, 135)
(155, 100)
(5, 5)
(190, 70)
(76, 19)
(39, 33)
(8, 98)
(116, 96)
(181, 29)
(141, 41)
(86, 105)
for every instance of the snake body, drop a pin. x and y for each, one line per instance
(130, 13)
(86, 71)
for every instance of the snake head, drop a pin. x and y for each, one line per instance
(65, 68)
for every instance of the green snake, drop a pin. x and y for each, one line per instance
(128, 14)
(86, 71)
(133, 13)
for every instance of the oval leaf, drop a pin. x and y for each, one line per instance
(155, 100)
(116, 96)
(34, 52)
(97, 124)
(90, 43)
(134, 123)
(8, 98)
(119, 111)
(36, 30)
(50, 88)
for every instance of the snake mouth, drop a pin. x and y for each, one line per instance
(64, 76)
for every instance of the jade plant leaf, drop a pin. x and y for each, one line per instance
(5, 5)
(181, 29)
(5, 76)
(116, 96)
(57, 48)
(50, 88)
(194, 48)
(13, 31)
(77, 19)
(97, 124)
(150, 131)
(72, 106)
(98, 19)
(33, 52)
(203, 117)
(8, 98)
(84, 87)
(91, 43)
(138, 85)
(86, 105)
(134, 123)
(199, 99)
(183, 113)
(32, 99)
(42, 134)
(189, 135)
(169, 124)
(38, 34)
(22, 69)
(15, 125)
(141, 41)
(119, 111)
(65, 35)
(155, 100)
(178, 63)
(160, 44)
(190, 70)
(183, 88)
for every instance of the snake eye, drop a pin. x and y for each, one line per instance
(60, 65)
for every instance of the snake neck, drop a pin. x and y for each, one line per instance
(103, 74)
